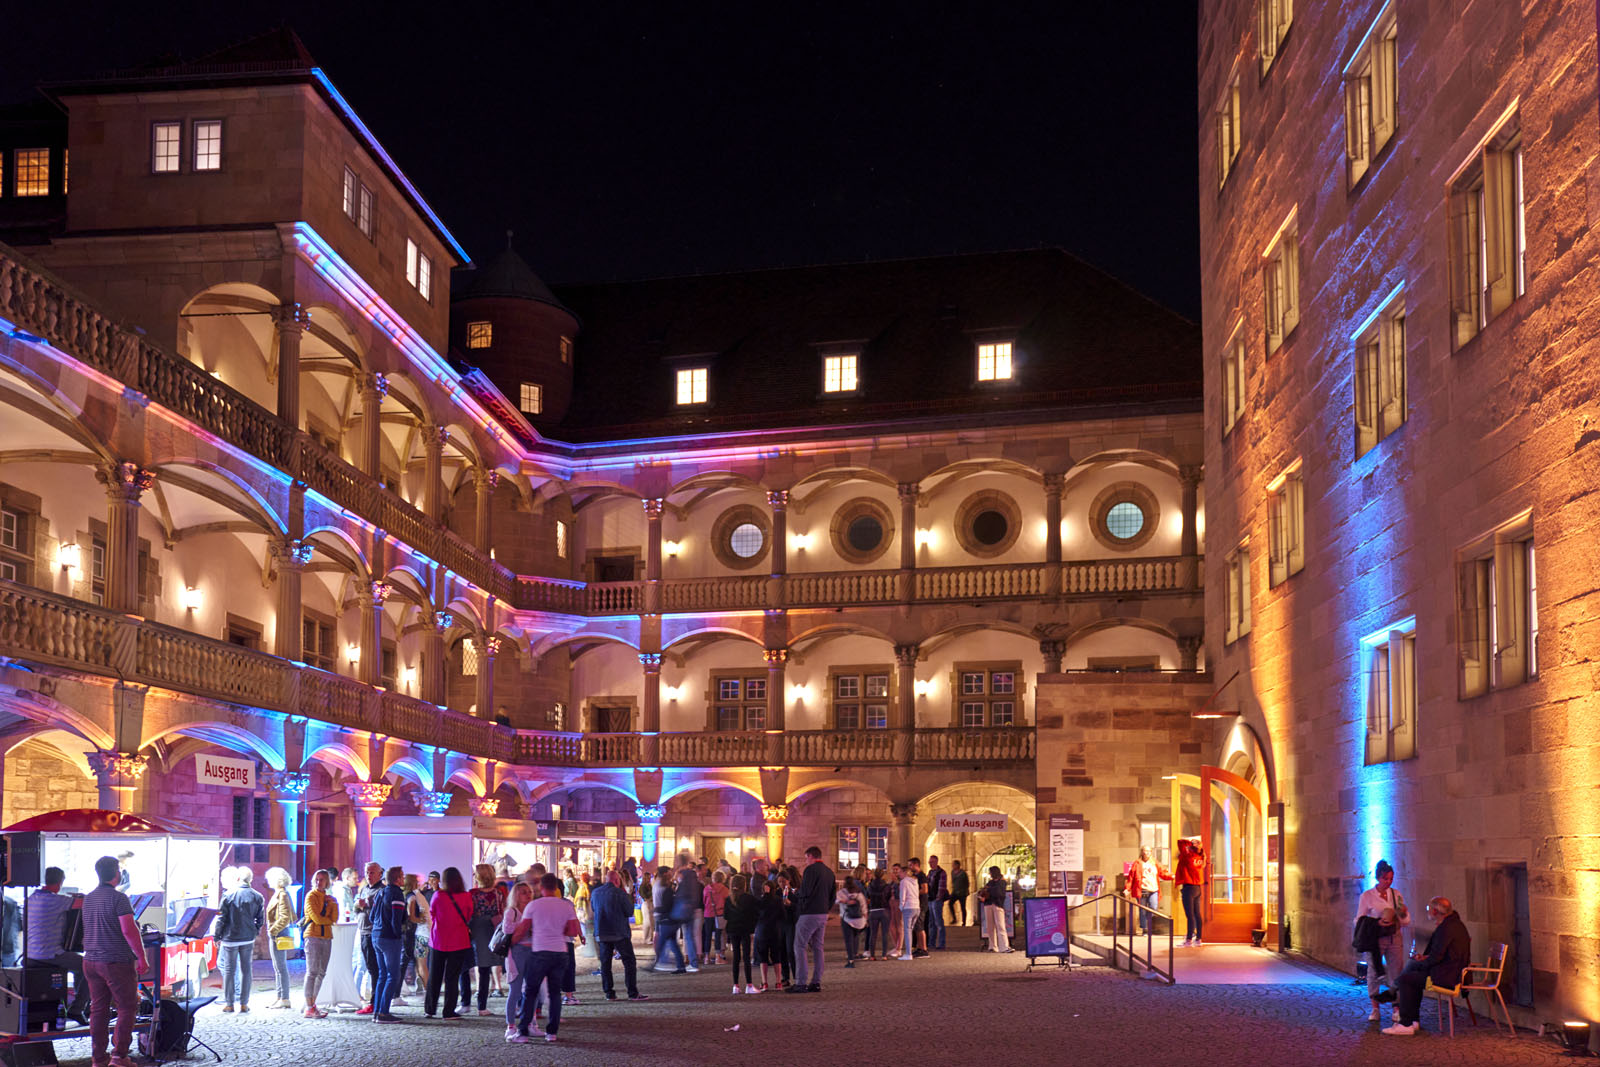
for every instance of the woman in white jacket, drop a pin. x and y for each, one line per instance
(1383, 903)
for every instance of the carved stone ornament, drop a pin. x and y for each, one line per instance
(650, 661)
(774, 814)
(434, 804)
(776, 657)
(126, 481)
(484, 807)
(443, 620)
(651, 812)
(368, 794)
(287, 785)
(119, 770)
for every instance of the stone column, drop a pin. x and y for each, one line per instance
(650, 816)
(368, 798)
(1189, 652)
(288, 791)
(904, 721)
(117, 776)
(1053, 484)
(432, 803)
(1052, 650)
(488, 649)
(374, 387)
(435, 655)
(775, 816)
(908, 526)
(125, 483)
(434, 439)
(289, 558)
(778, 501)
(777, 704)
(371, 596)
(1189, 544)
(650, 709)
(900, 848)
(485, 482)
(290, 321)
(652, 554)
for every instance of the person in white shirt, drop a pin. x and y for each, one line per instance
(1383, 903)
(910, 903)
(541, 941)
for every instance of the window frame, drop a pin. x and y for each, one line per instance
(841, 373)
(1280, 283)
(996, 358)
(1273, 20)
(699, 383)
(327, 658)
(17, 172)
(862, 701)
(1497, 611)
(1230, 138)
(195, 145)
(536, 396)
(480, 334)
(1371, 95)
(1487, 220)
(1286, 522)
(1235, 380)
(1390, 693)
(1378, 373)
(19, 555)
(751, 711)
(156, 128)
(865, 834)
(419, 270)
(1237, 594)
(961, 698)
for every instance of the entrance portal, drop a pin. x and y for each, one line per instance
(1224, 811)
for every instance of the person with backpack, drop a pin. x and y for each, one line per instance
(852, 918)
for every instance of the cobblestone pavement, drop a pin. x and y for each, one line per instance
(960, 1006)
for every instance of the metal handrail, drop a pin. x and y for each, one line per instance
(1119, 902)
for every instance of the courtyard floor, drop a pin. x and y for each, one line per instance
(959, 1006)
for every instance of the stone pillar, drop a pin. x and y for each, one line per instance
(434, 439)
(778, 501)
(777, 660)
(485, 482)
(368, 798)
(484, 807)
(1052, 649)
(371, 596)
(908, 526)
(650, 816)
(1189, 544)
(125, 483)
(432, 803)
(117, 776)
(904, 716)
(650, 710)
(290, 321)
(374, 387)
(1053, 484)
(775, 816)
(652, 554)
(289, 558)
(1189, 652)
(488, 649)
(900, 847)
(435, 655)
(288, 791)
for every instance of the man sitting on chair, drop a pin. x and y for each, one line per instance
(1449, 951)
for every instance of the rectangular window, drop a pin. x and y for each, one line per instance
(741, 702)
(860, 697)
(1370, 95)
(1238, 594)
(531, 400)
(316, 642)
(561, 539)
(16, 556)
(566, 350)
(1280, 280)
(877, 847)
(480, 334)
(1228, 135)
(97, 569)
(1487, 232)
(364, 211)
(1286, 526)
(1498, 612)
(839, 374)
(989, 694)
(972, 713)
(351, 187)
(1233, 379)
(1380, 375)
(208, 144)
(1389, 664)
(994, 361)
(33, 171)
(419, 270)
(692, 385)
(164, 147)
(849, 847)
(1273, 20)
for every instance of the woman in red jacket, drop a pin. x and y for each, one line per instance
(1189, 874)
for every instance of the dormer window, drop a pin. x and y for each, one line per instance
(839, 373)
(994, 361)
(692, 385)
(480, 334)
(532, 399)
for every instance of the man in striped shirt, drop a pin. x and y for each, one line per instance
(113, 958)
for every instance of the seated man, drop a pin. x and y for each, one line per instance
(47, 924)
(1448, 953)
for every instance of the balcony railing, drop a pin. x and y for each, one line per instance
(751, 748)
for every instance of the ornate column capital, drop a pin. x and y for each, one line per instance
(1052, 648)
(375, 385)
(906, 655)
(651, 662)
(125, 481)
(651, 813)
(774, 814)
(910, 492)
(291, 318)
(118, 770)
(290, 553)
(653, 506)
(435, 437)
(442, 621)
(432, 804)
(486, 479)
(484, 807)
(287, 785)
(373, 594)
(775, 657)
(1054, 483)
(368, 795)
(778, 499)
(1191, 474)
(903, 812)
(491, 645)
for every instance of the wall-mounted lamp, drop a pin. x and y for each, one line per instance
(921, 687)
(925, 538)
(192, 599)
(353, 653)
(69, 556)
(1169, 777)
(800, 542)
(408, 676)
(798, 693)
(672, 548)
(671, 692)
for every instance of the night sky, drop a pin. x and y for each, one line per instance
(625, 141)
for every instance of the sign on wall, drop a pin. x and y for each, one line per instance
(1066, 854)
(573, 830)
(987, 823)
(220, 770)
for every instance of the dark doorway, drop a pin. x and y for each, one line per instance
(613, 568)
(617, 720)
(1511, 921)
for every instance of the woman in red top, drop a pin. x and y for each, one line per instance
(449, 942)
(1190, 875)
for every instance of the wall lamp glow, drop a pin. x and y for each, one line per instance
(353, 653)
(408, 676)
(926, 538)
(671, 692)
(69, 556)
(797, 693)
(672, 548)
(192, 599)
(921, 687)
(800, 542)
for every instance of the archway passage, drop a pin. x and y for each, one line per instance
(1224, 812)
(974, 850)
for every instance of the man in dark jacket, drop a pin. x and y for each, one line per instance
(813, 901)
(238, 921)
(938, 892)
(687, 898)
(1448, 954)
(960, 888)
(613, 907)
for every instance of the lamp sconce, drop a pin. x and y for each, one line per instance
(798, 693)
(193, 598)
(671, 692)
(921, 687)
(800, 542)
(925, 538)
(353, 653)
(672, 548)
(69, 556)
(408, 677)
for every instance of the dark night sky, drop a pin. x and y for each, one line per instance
(631, 140)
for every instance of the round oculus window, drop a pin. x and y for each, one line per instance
(746, 540)
(864, 533)
(1125, 520)
(989, 527)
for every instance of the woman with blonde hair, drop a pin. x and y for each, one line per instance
(488, 908)
(417, 914)
(280, 916)
(521, 896)
(322, 911)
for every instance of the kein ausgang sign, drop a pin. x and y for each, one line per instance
(986, 823)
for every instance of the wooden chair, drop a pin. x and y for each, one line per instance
(1487, 981)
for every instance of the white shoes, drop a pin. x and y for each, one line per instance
(735, 990)
(749, 989)
(1400, 1030)
(1373, 1017)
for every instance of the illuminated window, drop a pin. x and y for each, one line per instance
(480, 334)
(1389, 667)
(989, 694)
(208, 144)
(839, 374)
(1228, 133)
(33, 171)
(1233, 382)
(1380, 376)
(566, 350)
(1487, 236)
(1280, 280)
(561, 539)
(1370, 95)
(994, 361)
(1238, 594)
(1273, 18)
(357, 202)
(740, 702)
(863, 844)
(16, 546)
(165, 138)
(746, 540)
(469, 658)
(692, 385)
(1498, 606)
(1286, 551)
(860, 697)
(532, 399)
(419, 270)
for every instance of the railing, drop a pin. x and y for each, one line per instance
(548, 749)
(613, 598)
(1123, 913)
(990, 744)
(1152, 574)
(710, 594)
(743, 749)
(841, 587)
(620, 750)
(1007, 581)
(550, 594)
(840, 746)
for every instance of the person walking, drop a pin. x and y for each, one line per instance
(661, 908)
(960, 888)
(715, 898)
(812, 904)
(994, 911)
(581, 903)
(612, 906)
(321, 912)
(519, 897)
(238, 921)
(938, 893)
(113, 959)
(1386, 931)
(488, 906)
(644, 889)
(450, 942)
(878, 893)
(1144, 886)
(547, 924)
(280, 916)
(741, 913)
(688, 898)
(388, 909)
(1190, 877)
(47, 927)
(909, 901)
(852, 918)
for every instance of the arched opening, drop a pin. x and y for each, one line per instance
(228, 331)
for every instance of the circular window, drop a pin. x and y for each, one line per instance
(740, 536)
(1124, 516)
(987, 523)
(861, 530)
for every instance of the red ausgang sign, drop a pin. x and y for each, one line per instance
(970, 824)
(220, 770)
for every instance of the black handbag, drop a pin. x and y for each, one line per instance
(1365, 938)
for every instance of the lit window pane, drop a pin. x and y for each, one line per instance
(33, 172)
(364, 214)
(208, 145)
(480, 334)
(411, 262)
(425, 277)
(994, 361)
(746, 540)
(839, 374)
(692, 386)
(532, 400)
(164, 147)
(561, 540)
(728, 689)
(1125, 520)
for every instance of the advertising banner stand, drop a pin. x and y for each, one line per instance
(1044, 931)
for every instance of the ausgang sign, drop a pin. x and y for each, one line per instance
(220, 770)
(970, 824)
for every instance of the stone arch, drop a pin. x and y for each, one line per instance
(229, 330)
(340, 757)
(714, 633)
(1109, 457)
(347, 552)
(50, 713)
(694, 784)
(50, 405)
(807, 789)
(819, 635)
(412, 770)
(228, 736)
(469, 777)
(975, 797)
(252, 503)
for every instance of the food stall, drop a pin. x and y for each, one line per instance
(423, 843)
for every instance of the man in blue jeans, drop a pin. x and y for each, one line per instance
(388, 941)
(813, 901)
(540, 941)
(938, 892)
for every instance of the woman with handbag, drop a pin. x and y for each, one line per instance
(280, 916)
(521, 895)
(1381, 926)
(322, 911)
(852, 918)
(450, 942)
(417, 913)
(488, 908)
